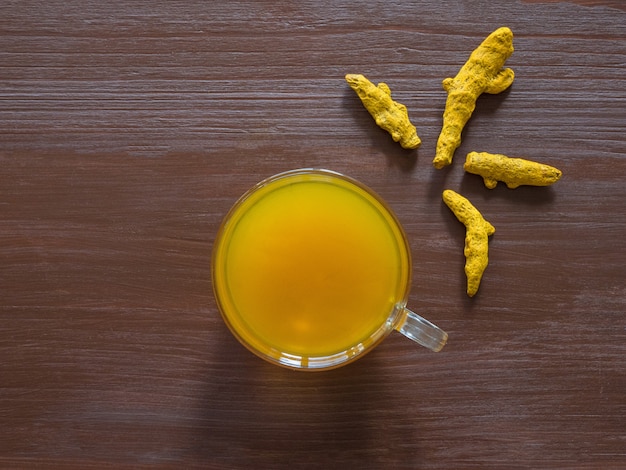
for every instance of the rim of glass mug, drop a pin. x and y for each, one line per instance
(400, 318)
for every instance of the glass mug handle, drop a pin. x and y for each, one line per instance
(420, 330)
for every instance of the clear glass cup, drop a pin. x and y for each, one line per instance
(311, 270)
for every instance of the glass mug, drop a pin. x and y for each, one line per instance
(311, 270)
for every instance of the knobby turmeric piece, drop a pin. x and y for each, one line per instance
(513, 172)
(388, 114)
(482, 73)
(476, 238)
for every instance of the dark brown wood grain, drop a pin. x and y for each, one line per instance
(128, 129)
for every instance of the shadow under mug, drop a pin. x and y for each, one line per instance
(311, 270)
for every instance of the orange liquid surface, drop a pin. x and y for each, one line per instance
(309, 265)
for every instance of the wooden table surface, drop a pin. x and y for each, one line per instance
(128, 129)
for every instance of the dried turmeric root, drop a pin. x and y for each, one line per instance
(388, 114)
(482, 73)
(476, 238)
(513, 172)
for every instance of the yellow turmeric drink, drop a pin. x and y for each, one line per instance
(309, 266)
